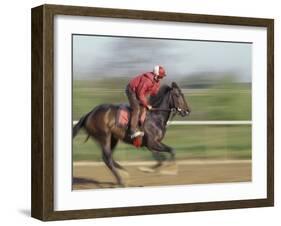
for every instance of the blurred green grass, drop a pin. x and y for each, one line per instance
(189, 141)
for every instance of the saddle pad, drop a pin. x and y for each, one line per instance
(123, 117)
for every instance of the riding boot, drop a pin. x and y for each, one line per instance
(136, 133)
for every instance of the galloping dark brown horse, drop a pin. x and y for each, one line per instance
(100, 124)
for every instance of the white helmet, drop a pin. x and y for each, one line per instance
(159, 71)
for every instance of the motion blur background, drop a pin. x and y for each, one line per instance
(215, 78)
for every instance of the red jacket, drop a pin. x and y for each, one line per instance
(144, 85)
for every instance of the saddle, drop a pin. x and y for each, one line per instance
(123, 117)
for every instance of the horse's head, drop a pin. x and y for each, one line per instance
(178, 100)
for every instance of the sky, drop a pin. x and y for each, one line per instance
(95, 57)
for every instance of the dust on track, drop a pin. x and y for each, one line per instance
(96, 175)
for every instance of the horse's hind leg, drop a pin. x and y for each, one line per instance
(114, 142)
(108, 160)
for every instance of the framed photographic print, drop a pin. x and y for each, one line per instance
(141, 112)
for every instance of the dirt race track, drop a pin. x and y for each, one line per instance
(91, 175)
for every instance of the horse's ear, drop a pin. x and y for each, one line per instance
(174, 85)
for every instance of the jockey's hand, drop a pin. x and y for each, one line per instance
(149, 107)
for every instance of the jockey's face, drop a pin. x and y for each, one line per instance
(157, 78)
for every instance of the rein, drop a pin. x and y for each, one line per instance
(162, 109)
(171, 117)
(173, 110)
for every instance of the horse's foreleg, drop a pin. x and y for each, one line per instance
(171, 152)
(158, 149)
(159, 157)
(171, 168)
(161, 148)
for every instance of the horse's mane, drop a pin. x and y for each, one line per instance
(157, 99)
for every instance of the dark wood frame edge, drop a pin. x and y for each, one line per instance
(37, 113)
(42, 197)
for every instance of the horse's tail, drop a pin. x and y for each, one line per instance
(80, 124)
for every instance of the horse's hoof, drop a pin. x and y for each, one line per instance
(169, 170)
(124, 173)
(124, 184)
(146, 169)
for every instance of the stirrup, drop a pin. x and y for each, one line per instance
(136, 134)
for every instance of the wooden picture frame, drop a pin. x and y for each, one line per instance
(42, 205)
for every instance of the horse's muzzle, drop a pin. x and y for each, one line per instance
(184, 113)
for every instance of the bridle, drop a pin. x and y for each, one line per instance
(173, 110)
